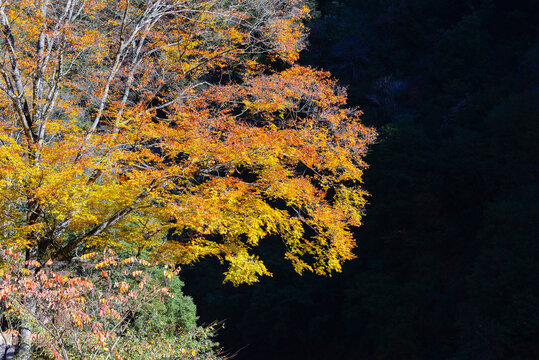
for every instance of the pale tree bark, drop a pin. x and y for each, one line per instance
(40, 79)
(24, 350)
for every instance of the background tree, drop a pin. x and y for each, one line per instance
(106, 307)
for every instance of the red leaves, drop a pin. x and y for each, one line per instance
(68, 306)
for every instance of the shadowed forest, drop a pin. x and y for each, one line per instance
(447, 258)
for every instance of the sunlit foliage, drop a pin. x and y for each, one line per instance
(183, 127)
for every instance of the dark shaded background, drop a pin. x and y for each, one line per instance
(447, 263)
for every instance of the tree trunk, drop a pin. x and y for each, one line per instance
(25, 332)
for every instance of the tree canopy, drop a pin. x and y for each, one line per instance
(448, 261)
(181, 127)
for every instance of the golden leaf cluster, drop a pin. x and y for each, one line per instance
(171, 126)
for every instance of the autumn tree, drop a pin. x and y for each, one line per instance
(99, 310)
(179, 127)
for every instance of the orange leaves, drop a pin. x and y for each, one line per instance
(129, 260)
(80, 318)
(89, 314)
(151, 118)
(291, 140)
(59, 278)
(144, 262)
(168, 274)
(142, 283)
(285, 31)
(32, 263)
(111, 260)
(88, 255)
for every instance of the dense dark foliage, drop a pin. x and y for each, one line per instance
(447, 262)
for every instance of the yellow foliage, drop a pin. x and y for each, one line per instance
(174, 134)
